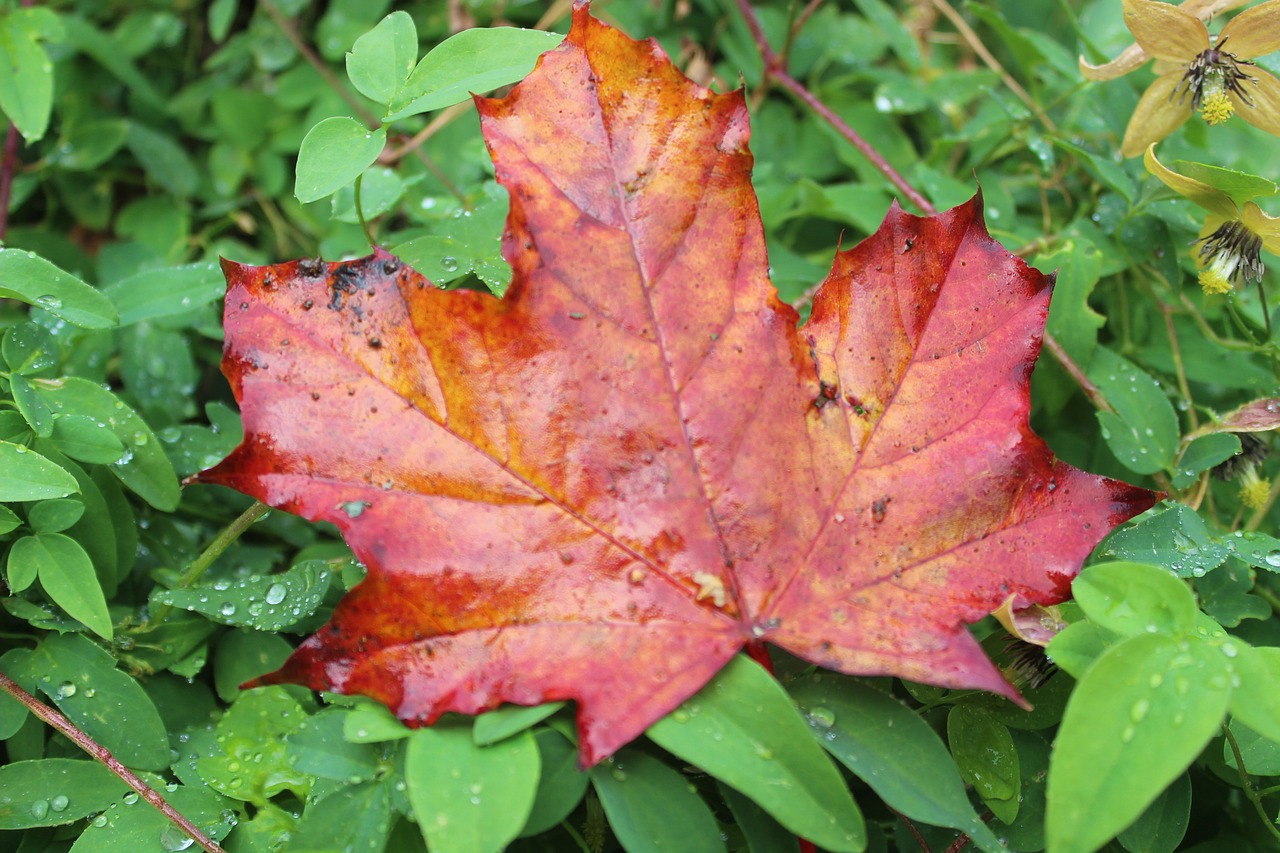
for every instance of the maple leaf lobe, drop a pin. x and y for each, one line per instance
(603, 486)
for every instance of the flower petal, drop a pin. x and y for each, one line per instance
(1254, 32)
(1165, 31)
(1210, 198)
(1264, 91)
(1158, 115)
(1266, 227)
(1132, 58)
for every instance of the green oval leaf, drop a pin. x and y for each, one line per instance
(381, 60)
(166, 291)
(476, 60)
(469, 798)
(1143, 430)
(743, 729)
(1137, 719)
(67, 575)
(54, 791)
(333, 154)
(26, 75)
(30, 278)
(265, 603)
(651, 807)
(1135, 598)
(28, 476)
(891, 749)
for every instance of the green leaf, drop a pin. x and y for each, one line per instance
(1257, 549)
(743, 729)
(163, 159)
(506, 721)
(651, 807)
(561, 784)
(222, 14)
(266, 603)
(357, 817)
(763, 833)
(333, 154)
(1173, 536)
(370, 722)
(1163, 824)
(470, 243)
(1143, 430)
(144, 468)
(87, 440)
(89, 144)
(381, 60)
(55, 516)
(67, 575)
(132, 827)
(54, 791)
(1226, 595)
(28, 476)
(1241, 186)
(26, 75)
(891, 749)
(987, 759)
(1137, 719)
(1071, 320)
(1261, 755)
(242, 655)
(318, 749)
(1253, 702)
(166, 291)
(250, 760)
(469, 798)
(109, 705)
(8, 520)
(1135, 598)
(23, 563)
(34, 409)
(27, 277)
(1202, 454)
(476, 60)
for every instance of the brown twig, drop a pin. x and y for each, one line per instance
(99, 752)
(975, 44)
(773, 69)
(1093, 392)
(911, 828)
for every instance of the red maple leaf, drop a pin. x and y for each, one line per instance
(603, 486)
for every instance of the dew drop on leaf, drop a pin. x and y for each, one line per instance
(822, 717)
(39, 809)
(276, 593)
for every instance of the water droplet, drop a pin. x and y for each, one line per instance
(762, 751)
(636, 577)
(1156, 679)
(39, 809)
(130, 798)
(449, 264)
(1229, 650)
(65, 690)
(1138, 712)
(824, 717)
(680, 715)
(49, 302)
(1127, 734)
(619, 774)
(276, 593)
(100, 820)
(1273, 559)
(174, 839)
(227, 609)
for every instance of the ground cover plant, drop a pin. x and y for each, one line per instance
(712, 567)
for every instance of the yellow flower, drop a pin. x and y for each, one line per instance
(1134, 57)
(1233, 236)
(1198, 72)
(1254, 490)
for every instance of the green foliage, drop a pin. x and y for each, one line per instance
(154, 138)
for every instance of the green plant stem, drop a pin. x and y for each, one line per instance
(56, 720)
(1250, 792)
(364, 224)
(1268, 596)
(212, 552)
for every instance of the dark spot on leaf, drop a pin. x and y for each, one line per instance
(311, 267)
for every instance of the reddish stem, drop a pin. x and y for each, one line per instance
(8, 168)
(773, 69)
(101, 753)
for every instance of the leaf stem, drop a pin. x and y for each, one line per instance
(773, 68)
(8, 167)
(1251, 793)
(1090, 390)
(212, 552)
(100, 753)
(364, 224)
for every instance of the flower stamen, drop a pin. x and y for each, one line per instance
(1209, 77)
(1230, 253)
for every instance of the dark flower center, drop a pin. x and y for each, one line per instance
(1233, 242)
(1214, 70)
